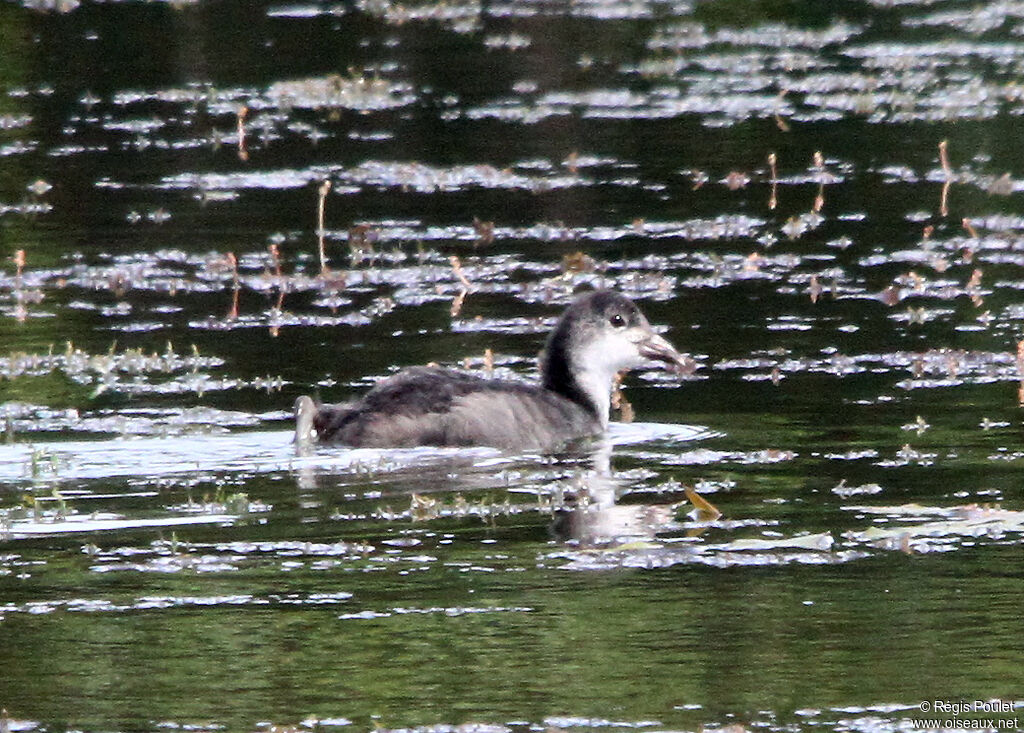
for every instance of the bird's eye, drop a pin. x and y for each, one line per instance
(617, 320)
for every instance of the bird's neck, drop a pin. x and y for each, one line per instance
(586, 387)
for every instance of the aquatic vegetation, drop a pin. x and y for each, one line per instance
(128, 371)
(462, 16)
(42, 463)
(426, 508)
(222, 502)
(80, 366)
(354, 91)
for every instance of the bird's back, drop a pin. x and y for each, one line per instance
(442, 407)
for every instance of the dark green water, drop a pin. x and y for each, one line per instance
(765, 179)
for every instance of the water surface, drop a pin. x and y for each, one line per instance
(207, 209)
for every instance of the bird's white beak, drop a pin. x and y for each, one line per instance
(656, 348)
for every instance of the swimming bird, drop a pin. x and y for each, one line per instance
(600, 334)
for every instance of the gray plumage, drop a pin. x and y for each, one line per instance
(600, 334)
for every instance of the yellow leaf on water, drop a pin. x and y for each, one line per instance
(706, 511)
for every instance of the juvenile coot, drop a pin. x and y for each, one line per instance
(599, 335)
